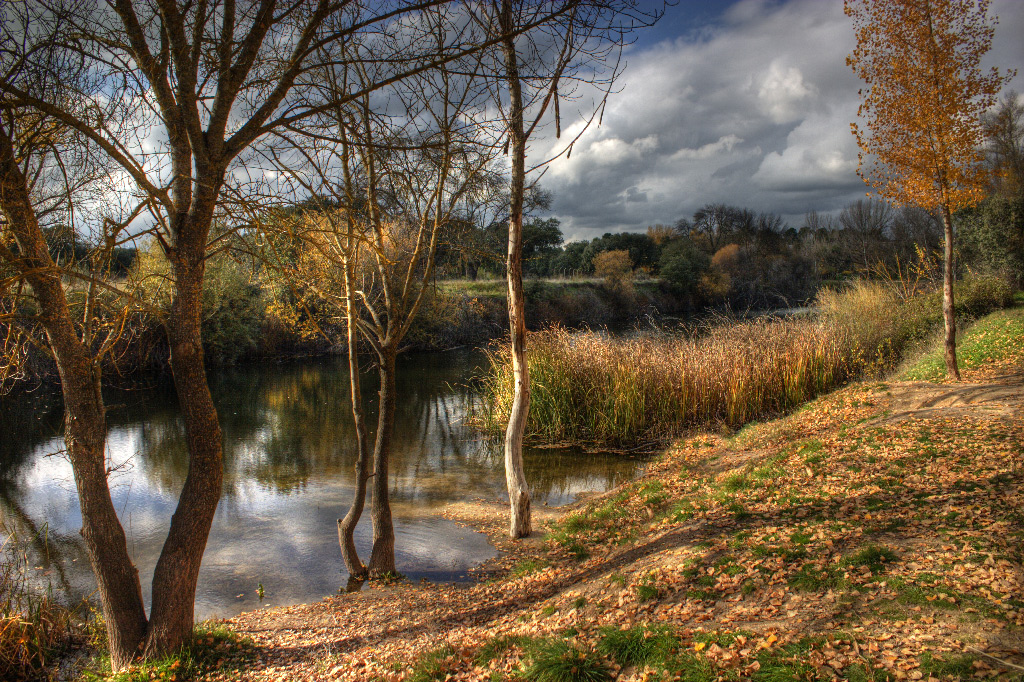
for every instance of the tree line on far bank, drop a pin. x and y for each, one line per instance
(721, 257)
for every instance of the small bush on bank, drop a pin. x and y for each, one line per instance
(212, 648)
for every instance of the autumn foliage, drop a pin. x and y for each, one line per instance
(921, 61)
(925, 96)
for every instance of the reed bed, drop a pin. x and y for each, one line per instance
(589, 387)
(629, 391)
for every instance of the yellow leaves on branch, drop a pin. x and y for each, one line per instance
(925, 94)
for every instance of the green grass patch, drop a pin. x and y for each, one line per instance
(556, 660)
(652, 493)
(528, 567)
(647, 591)
(212, 649)
(875, 557)
(736, 482)
(787, 663)
(862, 673)
(638, 646)
(813, 578)
(956, 667)
(990, 339)
(689, 667)
(496, 647)
(433, 666)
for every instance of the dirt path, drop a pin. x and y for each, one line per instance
(1001, 396)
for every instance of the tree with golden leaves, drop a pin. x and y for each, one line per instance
(922, 108)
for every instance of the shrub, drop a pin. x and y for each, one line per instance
(683, 265)
(616, 268)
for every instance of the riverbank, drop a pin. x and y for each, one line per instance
(874, 534)
(860, 510)
(240, 331)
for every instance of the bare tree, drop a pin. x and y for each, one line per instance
(47, 174)
(1004, 133)
(865, 223)
(175, 95)
(534, 71)
(384, 181)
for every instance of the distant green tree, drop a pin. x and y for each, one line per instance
(683, 264)
(542, 239)
(992, 235)
(570, 261)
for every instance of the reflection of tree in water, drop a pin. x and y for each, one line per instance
(287, 425)
(441, 457)
(28, 420)
(19, 532)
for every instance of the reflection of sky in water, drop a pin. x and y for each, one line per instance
(289, 457)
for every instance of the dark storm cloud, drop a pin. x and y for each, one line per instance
(753, 110)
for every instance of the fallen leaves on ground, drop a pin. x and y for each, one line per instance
(839, 538)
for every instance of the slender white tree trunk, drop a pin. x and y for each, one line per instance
(948, 311)
(515, 478)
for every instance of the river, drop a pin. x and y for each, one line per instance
(288, 460)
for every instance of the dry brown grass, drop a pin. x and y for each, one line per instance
(591, 387)
(32, 623)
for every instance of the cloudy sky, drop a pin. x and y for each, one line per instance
(747, 102)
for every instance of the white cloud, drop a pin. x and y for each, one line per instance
(818, 154)
(723, 144)
(783, 92)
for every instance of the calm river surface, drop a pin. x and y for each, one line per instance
(289, 456)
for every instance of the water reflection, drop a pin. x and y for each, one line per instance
(288, 457)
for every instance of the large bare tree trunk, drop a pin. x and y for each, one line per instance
(948, 311)
(382, 556)
(515, 478)
(347, 525)
(84, 421)
(172, 614)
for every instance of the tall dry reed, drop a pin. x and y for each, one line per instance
(587, 386)
(590, 387)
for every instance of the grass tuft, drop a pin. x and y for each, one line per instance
(433, 666)
(556, 660)
(874, 557)
(638, 646)
(213, 648)
(34, 626)
(497, 646)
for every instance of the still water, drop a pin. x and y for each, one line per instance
(288, 458)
